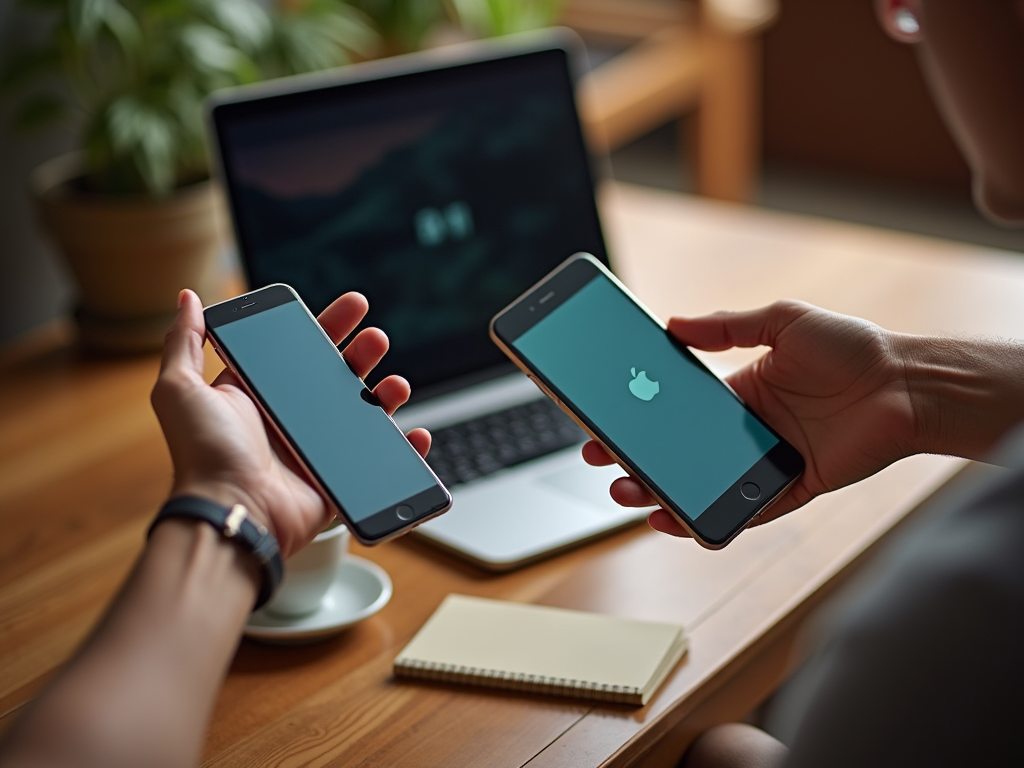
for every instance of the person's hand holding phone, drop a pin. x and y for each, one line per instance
(834, 386)
(217, 438)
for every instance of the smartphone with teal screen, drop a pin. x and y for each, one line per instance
(352, 451)
(675, 426)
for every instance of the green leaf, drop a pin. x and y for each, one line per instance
(86, 19)
(303, 49)
(320, 35)
(146, 134)
(209, 49)
(244, 21)
(122, 26)
(348, 30)
(502, 17)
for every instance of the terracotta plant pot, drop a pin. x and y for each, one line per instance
(130, 256)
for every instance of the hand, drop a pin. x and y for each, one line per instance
(833, 386)
(218, 442)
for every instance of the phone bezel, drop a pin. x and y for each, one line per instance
(722, 521)
(377, 527)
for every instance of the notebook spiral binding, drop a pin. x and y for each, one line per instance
(493, 678)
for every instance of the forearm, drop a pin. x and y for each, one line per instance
(966, 393)
(141, 690)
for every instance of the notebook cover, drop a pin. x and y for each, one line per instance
(538, 649)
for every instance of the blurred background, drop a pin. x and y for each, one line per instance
(795, 105)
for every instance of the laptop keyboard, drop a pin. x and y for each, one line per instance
(479, 447)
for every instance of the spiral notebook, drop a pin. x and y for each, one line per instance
(537, 649)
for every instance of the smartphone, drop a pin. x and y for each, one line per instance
(353, 452)
(668, 420)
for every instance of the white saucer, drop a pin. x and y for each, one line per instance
(360, 589)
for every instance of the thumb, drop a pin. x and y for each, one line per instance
(724, 330)
(183, 345)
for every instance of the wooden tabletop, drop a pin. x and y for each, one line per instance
(83, 469)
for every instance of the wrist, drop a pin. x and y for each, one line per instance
(226, 494)
(236, 527)
(965, 393)
(191, 544)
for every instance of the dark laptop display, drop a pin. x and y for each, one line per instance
(441, 195)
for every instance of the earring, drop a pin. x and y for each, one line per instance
(906, 22)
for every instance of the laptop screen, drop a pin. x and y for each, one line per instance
(441, 195)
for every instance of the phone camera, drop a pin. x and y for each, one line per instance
(234, 309)
(532, 309)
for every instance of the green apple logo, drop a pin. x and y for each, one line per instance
(643, 387)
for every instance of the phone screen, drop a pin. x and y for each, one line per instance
(671, 416)
(357, 453)
(680, 430)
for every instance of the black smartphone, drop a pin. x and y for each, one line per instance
(675, 426)
(352, 450)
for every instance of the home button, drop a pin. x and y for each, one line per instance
(404, 512)
(750, 491)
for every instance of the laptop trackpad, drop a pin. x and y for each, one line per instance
(585, 483)
(519, 515)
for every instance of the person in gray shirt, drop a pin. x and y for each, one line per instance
(922, 662)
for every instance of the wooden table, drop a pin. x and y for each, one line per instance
(83, 468)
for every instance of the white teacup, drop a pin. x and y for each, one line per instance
(309, 573)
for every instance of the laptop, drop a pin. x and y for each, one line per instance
(441, 185)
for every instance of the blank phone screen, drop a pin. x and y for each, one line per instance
(355, 449)
(669, 415)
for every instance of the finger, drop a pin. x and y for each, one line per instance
(393, 392)
(420, 440)
(724, 330)
(366, 350)
(183, 345)
(662, 521)
(629, 493)
(595, 455)
(343, 315)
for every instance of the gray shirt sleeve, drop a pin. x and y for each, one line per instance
(924, 663)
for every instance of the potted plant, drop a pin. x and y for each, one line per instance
(134, 211)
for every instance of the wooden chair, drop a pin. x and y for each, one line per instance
(701, 57)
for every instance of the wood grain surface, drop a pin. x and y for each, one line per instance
(83, 468)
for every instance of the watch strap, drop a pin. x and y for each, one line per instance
(234, 523)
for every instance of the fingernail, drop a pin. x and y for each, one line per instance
(181, 297)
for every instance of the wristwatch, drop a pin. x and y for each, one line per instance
(234, 523)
